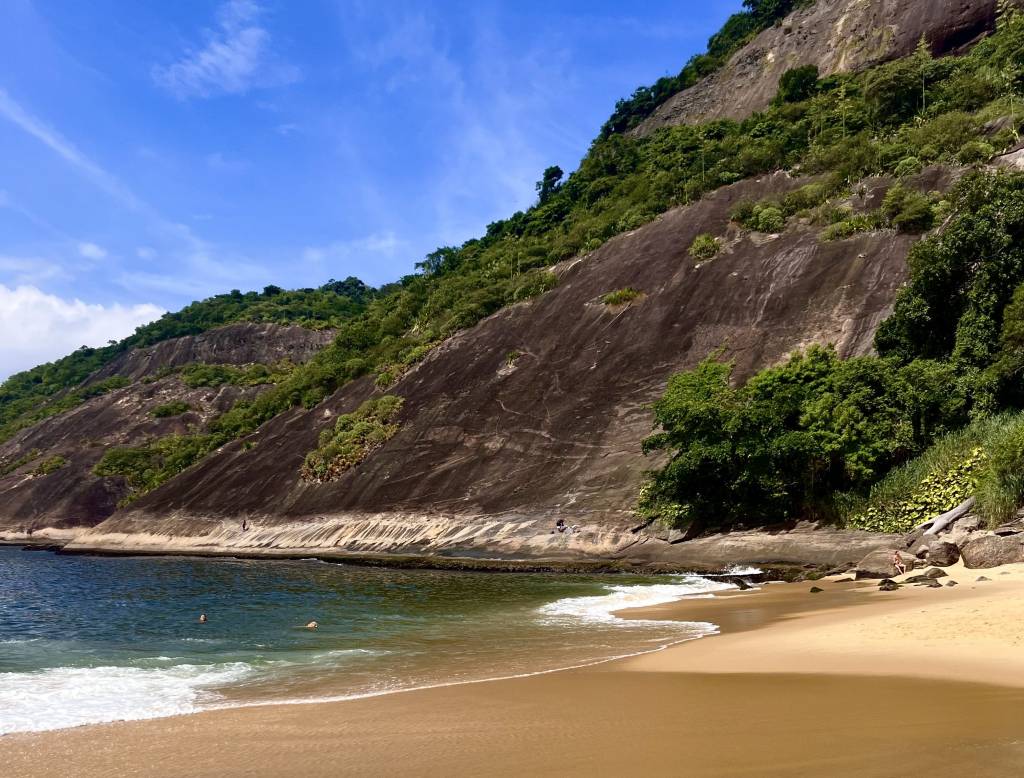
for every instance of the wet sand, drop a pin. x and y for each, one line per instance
(847, 682)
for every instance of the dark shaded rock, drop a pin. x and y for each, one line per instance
(1008, 529)
(843, 580)
(932, 584)
(982, 578)
(888, 585)
(942, 553)
(917, 579)
(952, 583)
(992, 551)
(935, 573)
(815, 590)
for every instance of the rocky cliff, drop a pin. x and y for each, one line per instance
(837, 36)
(537, 413)
(71, 496)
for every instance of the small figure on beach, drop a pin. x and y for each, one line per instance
(897, 563)
(202, 618)
(312, 625)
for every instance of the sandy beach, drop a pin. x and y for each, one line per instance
(848, 681)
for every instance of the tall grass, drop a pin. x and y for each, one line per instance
(998, 478)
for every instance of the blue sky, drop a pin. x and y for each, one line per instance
(153, 153)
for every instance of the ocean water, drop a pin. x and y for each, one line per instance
(95, 639)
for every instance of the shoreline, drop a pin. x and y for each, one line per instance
(893, 651)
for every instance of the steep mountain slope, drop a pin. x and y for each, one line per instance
(493, 449)
(522, 365)
(66, 493)
(837, 36)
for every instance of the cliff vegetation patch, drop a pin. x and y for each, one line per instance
(353, 437)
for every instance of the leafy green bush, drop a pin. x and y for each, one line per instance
(855, 223)
(909, 211)
(809, 196)
(353, 438)
(975, 151)
(173, 408)
(936, 493)
(145, 467)
(204, 374)
(907, 166)
(621, 296)
(704, 247)
(784, 442)
(797, 84)
(770, 220)
(50, 465)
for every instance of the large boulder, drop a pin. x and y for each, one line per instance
(942, 553)
(992, 551)
(878, 564)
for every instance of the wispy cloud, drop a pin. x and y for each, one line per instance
(91, 250)
(234, 58)
(207, 265)
(29, 270)
(39, 327)
(357, 256)
(15, 113)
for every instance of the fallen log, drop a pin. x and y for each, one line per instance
(942, 521)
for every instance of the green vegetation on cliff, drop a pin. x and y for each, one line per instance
(354, 436)
(874, 413)
(328, 306)
(738, 30)
(810, 438)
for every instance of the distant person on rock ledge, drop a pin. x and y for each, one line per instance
(897, 563)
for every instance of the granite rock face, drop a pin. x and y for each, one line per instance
(837, 36)
(72, 496)
(489, 456)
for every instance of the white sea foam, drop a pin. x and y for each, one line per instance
(743, 570)
(601, 608)
(70, 696)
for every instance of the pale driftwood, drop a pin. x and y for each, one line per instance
(942, 521)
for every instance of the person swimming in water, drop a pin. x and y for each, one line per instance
(202, 618)
(312, 625)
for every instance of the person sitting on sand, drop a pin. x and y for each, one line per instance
(897, 563)
(312, 625)
(202, 618)
(560, 526)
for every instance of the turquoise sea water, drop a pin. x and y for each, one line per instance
(93, 639)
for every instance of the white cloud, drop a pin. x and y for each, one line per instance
(235, 58)
(40, 327)
(91, 250)
(383, 244)
(29, 270)
(145, 252)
